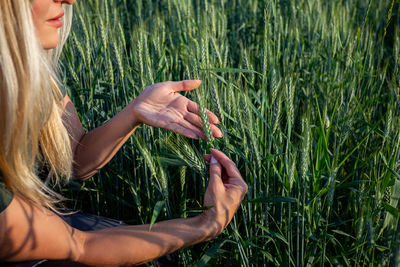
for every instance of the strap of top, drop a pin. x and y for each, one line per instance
(6, 195)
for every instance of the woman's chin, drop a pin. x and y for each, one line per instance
(49, 43)
(49, 47)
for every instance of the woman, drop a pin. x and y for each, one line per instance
(41, 130)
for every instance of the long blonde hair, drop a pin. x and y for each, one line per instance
(32, 133)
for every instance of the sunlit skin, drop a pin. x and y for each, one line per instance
(47, 18)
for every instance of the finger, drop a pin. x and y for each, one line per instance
(215, 174)
(194, 128)
(186, 85)
(207, 157)
(226, 163)
(182, 130)
(194, 107)
(193, 118)
(216, 131)
(196, 120)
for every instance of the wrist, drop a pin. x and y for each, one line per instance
(135, 114)
(209, 225)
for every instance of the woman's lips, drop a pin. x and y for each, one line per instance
(56, 22)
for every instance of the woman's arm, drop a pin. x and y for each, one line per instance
(94, 149)
(30, 232)
(127, 245)
(159, 105)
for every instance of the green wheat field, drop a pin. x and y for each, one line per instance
(308, 94)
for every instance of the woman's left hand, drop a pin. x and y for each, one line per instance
(160, 105)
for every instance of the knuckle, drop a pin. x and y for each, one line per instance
(175, 120)
(246, 188)
(187, 116)
(232, 165)
(168, 84)
(227, 162)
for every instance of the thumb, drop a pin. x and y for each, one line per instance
(215, 173)
(186, 85)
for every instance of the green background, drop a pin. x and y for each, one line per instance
(308, 96)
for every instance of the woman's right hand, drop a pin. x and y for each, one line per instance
(225, 191)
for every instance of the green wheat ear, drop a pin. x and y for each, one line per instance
(188, 154)
(205, 121)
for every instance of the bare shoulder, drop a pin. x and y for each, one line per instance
(28, 232)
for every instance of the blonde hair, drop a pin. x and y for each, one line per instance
(32, 134)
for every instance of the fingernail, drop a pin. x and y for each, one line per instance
(213, 160)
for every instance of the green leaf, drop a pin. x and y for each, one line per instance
(171, 161)
(389, 208)
(381, 248)
(269, 257)
(210, 254)
(342, 233)
(157, 209)
(273, 234)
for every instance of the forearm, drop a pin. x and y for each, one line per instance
(98, 146)
(136, 244)
(30, 232)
